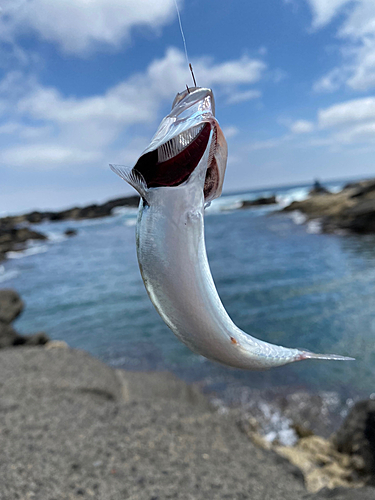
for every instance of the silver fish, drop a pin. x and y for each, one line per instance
(179, 173)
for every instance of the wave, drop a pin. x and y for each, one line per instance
(124, 211)
(130, 222)
(7, 275)
(296, 194)
(298, 217)
(314, 227)
(228, 203)
(32, 250)
(54, 237)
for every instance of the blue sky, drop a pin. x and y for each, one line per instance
(84, 83)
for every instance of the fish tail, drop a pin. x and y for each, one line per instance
(312, 355)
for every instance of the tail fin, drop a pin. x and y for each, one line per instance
(312, 355)
(132, 177)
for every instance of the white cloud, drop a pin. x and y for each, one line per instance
(45, 155)
(325, 10)
(343, 113)
(332, 80)
(242, 96)
(77, 26)
(357, 35)
(363, 133)
(342, 125)
(230, 131)
(301, 127)
(137, 99)
(46, 129)
(244, 70)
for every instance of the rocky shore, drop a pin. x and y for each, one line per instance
(11, 306)
(75, 428)
(14, 238)
(15, 233)
(351, 210)
(76, 213)
(72, 427)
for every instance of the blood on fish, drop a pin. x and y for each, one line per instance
(177, 170)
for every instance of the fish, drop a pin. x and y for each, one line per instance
(177, 176)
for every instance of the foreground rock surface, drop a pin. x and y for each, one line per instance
(356, 437)
(11, 306)
(72, 428)
(352, 209)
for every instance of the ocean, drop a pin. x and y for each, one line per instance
(279, 279)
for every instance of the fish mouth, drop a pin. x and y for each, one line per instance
(172, 163)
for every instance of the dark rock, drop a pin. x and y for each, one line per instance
(11, 306)
(76, 213)
(361, 188)
(356, 437)
(271, 200)
(14, 238)
(343, 494)
(318, 189)
(350, 210)
(39, 338)
(70, 232)
(8, 336)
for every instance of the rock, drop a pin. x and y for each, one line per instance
(321, 464)
(69, 424)
(259, 201)
(318, 189)
(356, 437)
(8, 336)
(56, 344)
(76, 213)
(362, 188)
(13, 238)
(343, 494)
(39, 338)
(11, 306)
(350, 210)
(70, 232)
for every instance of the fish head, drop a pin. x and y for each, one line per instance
(188, 140)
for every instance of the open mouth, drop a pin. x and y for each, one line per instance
(173, 162)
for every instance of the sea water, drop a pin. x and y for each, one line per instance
(279, 279)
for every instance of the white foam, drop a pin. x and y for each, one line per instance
(225, 204)
(33, 250)
(298, 217)
(277, 426)
(296, 194)
(7, 275)
(314, 227)
(55, 237)
(124, 210)
(130, 222)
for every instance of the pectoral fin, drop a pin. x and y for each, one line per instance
(132, 177)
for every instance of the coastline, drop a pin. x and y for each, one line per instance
(157, 398)
(350, 210)
(73, 427)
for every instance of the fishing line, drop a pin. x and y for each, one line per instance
(184, 41)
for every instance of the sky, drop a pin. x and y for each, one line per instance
(85, 83)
